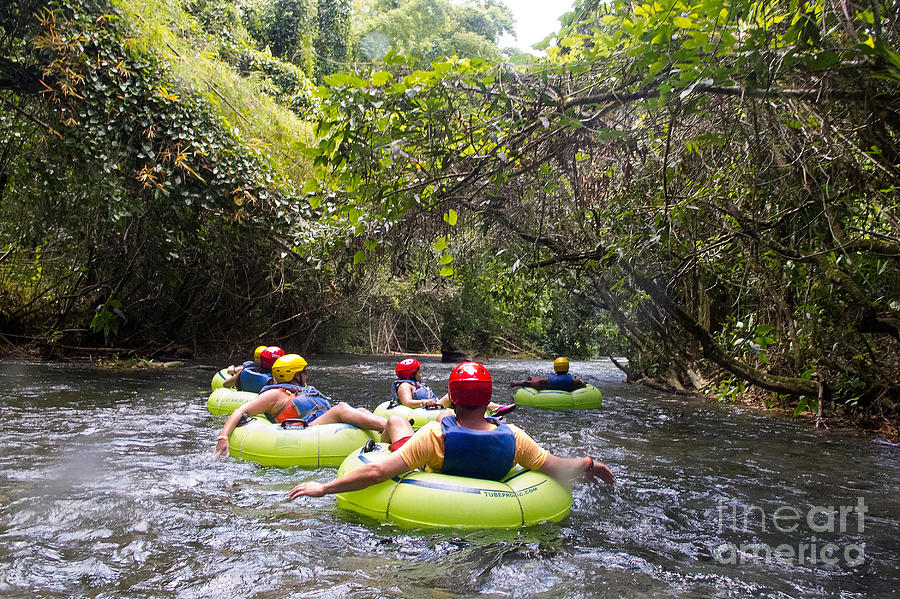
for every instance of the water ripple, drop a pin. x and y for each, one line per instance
(118, 495)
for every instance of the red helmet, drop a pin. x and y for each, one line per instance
(470, 385)
(407, 368)
(268, 356)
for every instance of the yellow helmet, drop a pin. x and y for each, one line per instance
(561, 365)
(286, 367)
(258, 351)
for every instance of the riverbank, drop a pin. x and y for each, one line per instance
(878, 426)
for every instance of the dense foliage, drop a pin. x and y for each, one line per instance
(429, 30)
(708, 187)
(134, 203)
(720, 178)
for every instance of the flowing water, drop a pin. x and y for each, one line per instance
(108, 488)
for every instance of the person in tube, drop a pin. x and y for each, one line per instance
(290, 400)
(464, 444)
(409, 390)
(560, 380)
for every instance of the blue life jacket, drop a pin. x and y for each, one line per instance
(479, 454)
(252, 380)
(308, 403)
(561, 382)
(422, 391)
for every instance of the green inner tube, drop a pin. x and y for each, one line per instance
(226, 401)
(588, 398)
(258, 440)
(433, 500)
(419, 416)
(219, 378)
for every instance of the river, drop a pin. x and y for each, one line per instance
(108, 488)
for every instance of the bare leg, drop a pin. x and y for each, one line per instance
(396, 429)
(346, 413)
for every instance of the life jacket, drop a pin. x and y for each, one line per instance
(422, 391)
(253, 380)
(307, 404)
(466, 450)
(561, 382)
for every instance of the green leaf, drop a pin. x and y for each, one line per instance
(446, 259)
(380, 78)
(447, 271)
(358, 257)
(440, 244)
(822, 61)
(450, 217)
(341, 79)
(310, 186)
(801, 405)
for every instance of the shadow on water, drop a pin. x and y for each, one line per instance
(108, 489)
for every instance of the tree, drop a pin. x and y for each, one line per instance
(715, 170)
(428, 30)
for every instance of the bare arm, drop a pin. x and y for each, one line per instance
(537, 383)
(404, 394)
(231, 381)
(263, 403)
(565, 470)
(366, 476)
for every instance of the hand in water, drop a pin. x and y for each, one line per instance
(221, 447)
(311, 489)
(600, 471)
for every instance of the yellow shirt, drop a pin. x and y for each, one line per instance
(426, 448)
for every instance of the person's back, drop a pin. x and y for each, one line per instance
(467, 443)
(561, 382)
(487, 454)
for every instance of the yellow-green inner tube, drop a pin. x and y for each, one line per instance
(226, 401)
(434, 500)
(419, 417)
(260, 441)
(219, 378)
(587, 398)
